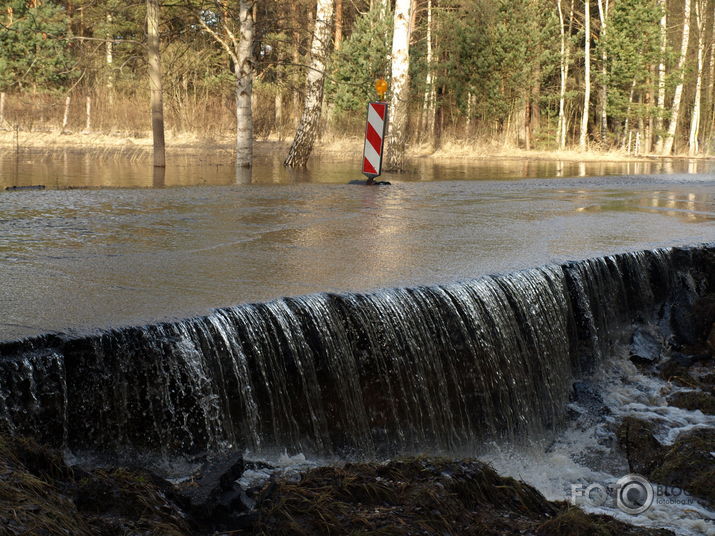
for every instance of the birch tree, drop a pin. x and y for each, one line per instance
(240, 49)
(307, 130)
(583, 136)
(700, 21)
(400, 80)
(603, 16)
(157, 102)
(677, 97)
(564, 62)
(661, 76)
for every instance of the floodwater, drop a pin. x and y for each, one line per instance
(108, 244)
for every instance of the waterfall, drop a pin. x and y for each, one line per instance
(365, 374)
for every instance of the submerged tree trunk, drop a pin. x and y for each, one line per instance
(397, 134)
(244, 86)
(583, 136)
(675, 109)
(157, 103)
(700, 19)
(307, 130)
(661, 77)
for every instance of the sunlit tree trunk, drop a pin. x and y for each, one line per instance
(711, 84)
(109, 58)
(400, 80)
(603, 16)
(428, 102)
(564, 67)
(307, 130)
(661, 76)
(338, 23)
(587, 75)
(244, 86)
(677, 97)
(700, 21)
(240, 50)
(157, 103)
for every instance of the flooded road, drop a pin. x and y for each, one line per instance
(81, 259)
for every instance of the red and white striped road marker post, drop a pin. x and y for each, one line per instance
(375, 134)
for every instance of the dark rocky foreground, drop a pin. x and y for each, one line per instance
(40, 494)
(688, 463)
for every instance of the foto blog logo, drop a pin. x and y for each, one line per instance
(632, 494)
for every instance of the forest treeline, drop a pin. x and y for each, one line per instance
(632, 75)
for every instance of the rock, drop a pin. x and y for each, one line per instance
(689, 464)
(711, 340)
(676, 369)
(693, 400)
(645, 349)
(574, 521)
(636, 438)
(704, 314)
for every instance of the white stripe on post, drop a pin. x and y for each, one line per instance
(374, 139)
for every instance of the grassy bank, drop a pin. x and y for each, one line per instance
(138, 146)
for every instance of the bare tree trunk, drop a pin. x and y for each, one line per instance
(244, 86)
(109, 56)
(307, 130)
(583, 136)
(397, 134)
(66, 116)
(700, 21)
(278, 117)
(157, 103)
(675, 109)
(603, 16)
(338, 24)
(661, 76)
(428, 102)
(88, 115)
(711, 84)
(626, 143)
(564, 65)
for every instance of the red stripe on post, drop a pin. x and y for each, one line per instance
(367, 167)
(379, 108)
(374, 138)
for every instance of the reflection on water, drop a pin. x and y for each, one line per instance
(81, 169)
(99, 257)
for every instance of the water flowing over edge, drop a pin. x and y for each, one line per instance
(357, 374)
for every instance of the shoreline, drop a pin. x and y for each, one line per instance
(127, 145)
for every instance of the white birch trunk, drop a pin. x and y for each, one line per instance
(661, 76)
(66, 116)
(675, 109)
(564, 68)
(109, 58)
(700, 21)
(603, 16)
(157, 102)
(397, 133)
(307, 130)
(583, 137)
(244, 86)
